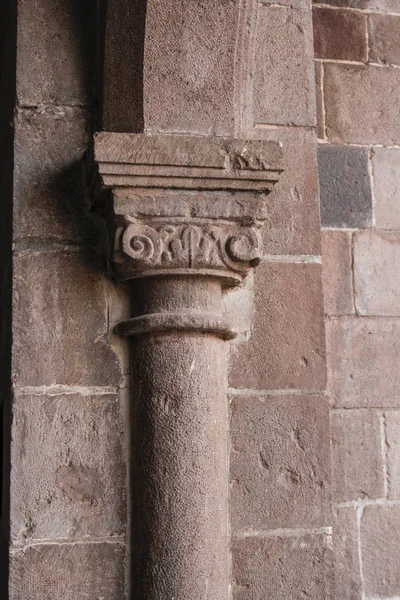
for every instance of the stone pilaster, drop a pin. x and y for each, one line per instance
(187, 213)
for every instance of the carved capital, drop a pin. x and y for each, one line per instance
(187, 205)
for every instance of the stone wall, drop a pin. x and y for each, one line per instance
(358, 86)
(69, 485)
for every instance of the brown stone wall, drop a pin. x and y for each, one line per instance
(68, 451)
(357, 66)
(70, 442)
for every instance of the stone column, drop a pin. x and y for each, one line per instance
(186, 219)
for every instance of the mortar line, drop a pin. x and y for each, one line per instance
(353, 273)
(384, 455)
(283, 532)
(360, 511)
(293, 258)
(276, 392)
(323, 106)
(362, 503)
(59, 389)
(23, 545)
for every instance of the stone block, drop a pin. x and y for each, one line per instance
(56, 58)
(89, 571)
(378, 5)
(355, 112)
(337, 272)
(188, 79)
(346, 198)
(392, 439)
(376, 281)
(279, 462)
(319, 82)
(48, 183)
(380, 542)
(339, 34)
(67, 469)
(60, 322)
(386, 183)
(348, 585)
(357, 458)
(283, 568)
(363, 360)
(292, 225)
(384, 39)
(284, 87)
(287, 345)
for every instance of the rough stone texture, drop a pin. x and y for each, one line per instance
(379, 5)
(377, 286)
(180, 435)
(337, 272)
(48, 191)
(363, 362)
(64, 485)
(339, 34)
(357, 461)
(279, 462)
(392, 431)
(386, 182)
(292, 223)
(60, 322)
(348, 584)
(319, 80)
(282, 568)
(284, 87)
(384, 39)
(355, 112)
(346, 199)
(380, 541)
(279, 356)
(89, 571)
(188, 79)
(61, 67)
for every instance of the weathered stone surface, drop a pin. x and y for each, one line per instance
(278, 356)
(363, 359)
(377, 285)
(392, 439)
(292, 224)
(337, 272)
(346, 199)
(384, 39)
(386, 182)
(380, 541)
(379, 5)
(357, 461)
(282, 568)
(355, 112)
(90, 571)
(279, 462)
(48, 190)
(284, 87)
(56, 58)
(67, 471)
(319, 77)
(348, 584)
(339, 34)
(60, 322)
(188, 79)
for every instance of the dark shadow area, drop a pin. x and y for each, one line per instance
(122, 78)
(8, 18)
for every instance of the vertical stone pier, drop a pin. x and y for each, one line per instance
(186, 219)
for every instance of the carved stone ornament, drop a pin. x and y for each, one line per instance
(187, 214)
(187, 204)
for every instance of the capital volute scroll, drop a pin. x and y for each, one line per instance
(187, 206)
